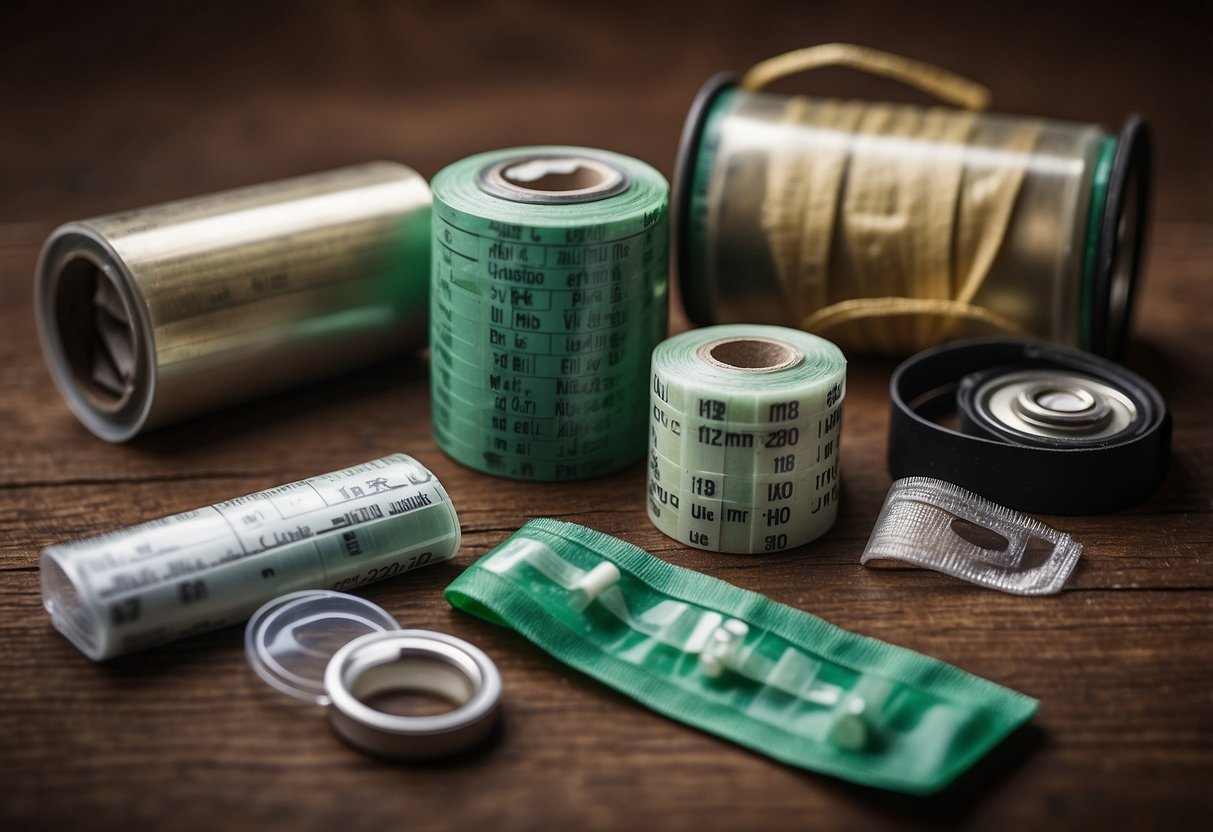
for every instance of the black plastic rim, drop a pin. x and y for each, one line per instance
(1043, 478)
(696, 300)
(1130, 179)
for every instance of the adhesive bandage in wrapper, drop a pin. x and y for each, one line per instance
(203, 569)
(943, 527)
(548, 296)
(744, 430)
(736, 664)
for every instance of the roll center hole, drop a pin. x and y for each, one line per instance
(554, 175)
(95, 333)
(753, 354)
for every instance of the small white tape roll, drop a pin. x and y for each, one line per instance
(744, 430)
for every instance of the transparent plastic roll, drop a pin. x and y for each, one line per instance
(889, 228)
(200, 570)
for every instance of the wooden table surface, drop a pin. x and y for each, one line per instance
(113, 106)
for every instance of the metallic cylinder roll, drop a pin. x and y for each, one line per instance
(162, 313)
(870, 223)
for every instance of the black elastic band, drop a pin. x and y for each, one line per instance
(696, 295)
(1125, 215)
(1046, 478)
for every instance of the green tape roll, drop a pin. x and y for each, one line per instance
(711, 655)
(550, 283)
(744, 429)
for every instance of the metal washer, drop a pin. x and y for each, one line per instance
(1018, 403)
(412, 660)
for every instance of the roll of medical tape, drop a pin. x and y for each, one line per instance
(134, 588)
(549, 293)
(744, 430)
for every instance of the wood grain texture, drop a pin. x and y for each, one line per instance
(113, 106)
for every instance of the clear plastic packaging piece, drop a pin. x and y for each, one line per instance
(290, 640)
(941, 526)
(341, 651)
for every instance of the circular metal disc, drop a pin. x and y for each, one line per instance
(1056, 404)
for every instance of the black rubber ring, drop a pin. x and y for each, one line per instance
(696, 300)
(1130, 178)
(1041, 478)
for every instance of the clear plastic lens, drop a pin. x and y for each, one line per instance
(290, 640)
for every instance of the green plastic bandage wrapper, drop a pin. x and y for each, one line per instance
(737, 664)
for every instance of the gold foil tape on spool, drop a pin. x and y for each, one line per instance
(888, 228)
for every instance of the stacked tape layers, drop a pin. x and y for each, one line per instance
(744, 459)
(543, 320)
(211, 567)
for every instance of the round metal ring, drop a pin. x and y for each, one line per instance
(417, 660)
(1061, 405)
(1052, 404)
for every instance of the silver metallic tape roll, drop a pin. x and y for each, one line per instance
(162, 313)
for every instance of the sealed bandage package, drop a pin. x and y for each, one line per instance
(737, 664)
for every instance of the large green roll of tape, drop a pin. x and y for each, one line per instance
(744, 430)
(550, 283)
